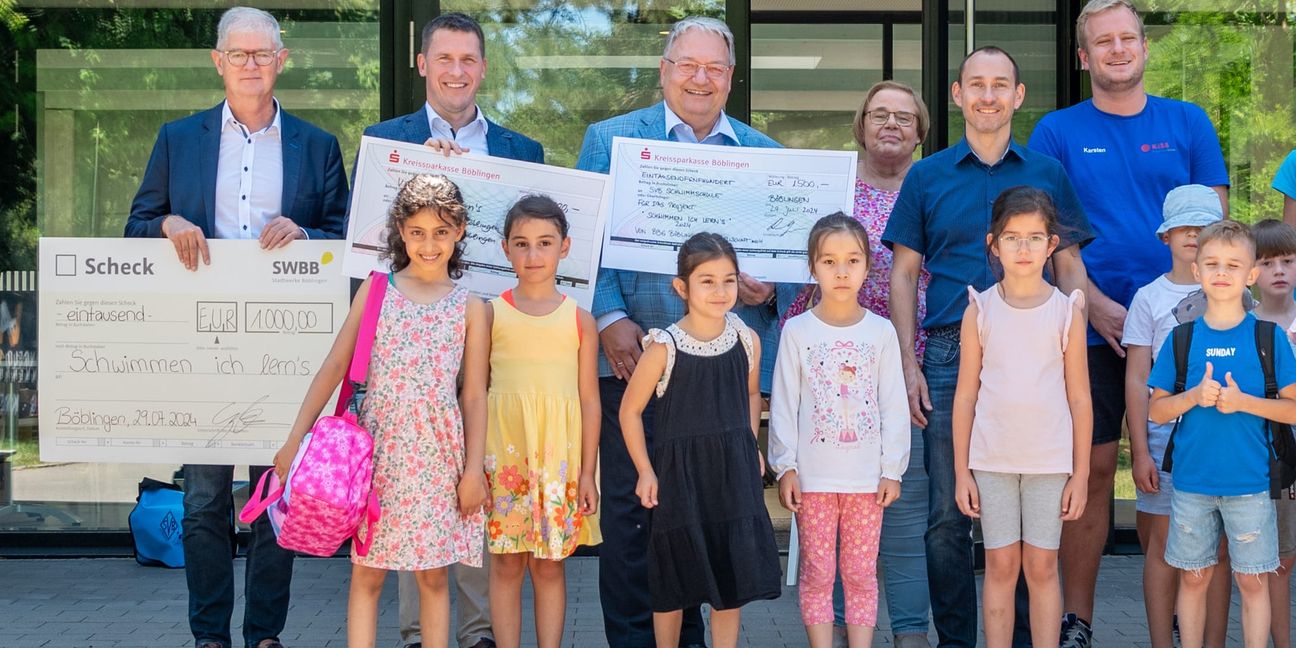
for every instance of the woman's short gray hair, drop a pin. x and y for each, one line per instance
(247, 19)
(708, 25)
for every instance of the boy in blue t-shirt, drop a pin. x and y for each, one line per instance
(1221, 452)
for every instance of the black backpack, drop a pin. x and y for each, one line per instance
(1282, 444)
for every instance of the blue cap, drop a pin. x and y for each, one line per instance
(1191, 205)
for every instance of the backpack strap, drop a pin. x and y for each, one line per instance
(1264, 339)
(1265, 333)
(358, 372)
(1180, 346)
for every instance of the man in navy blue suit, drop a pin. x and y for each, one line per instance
(453, 64)
(245, 169)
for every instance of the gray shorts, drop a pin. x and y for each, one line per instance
(1017, 507)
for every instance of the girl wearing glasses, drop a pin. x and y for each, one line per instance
(1022, 416)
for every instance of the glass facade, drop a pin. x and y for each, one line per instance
(93, 81)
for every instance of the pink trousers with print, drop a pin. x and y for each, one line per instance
(858, 517)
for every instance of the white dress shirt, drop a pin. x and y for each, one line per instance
(249, 177)
(472, 136)
(678, 131)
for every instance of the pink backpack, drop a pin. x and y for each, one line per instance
(328, 496)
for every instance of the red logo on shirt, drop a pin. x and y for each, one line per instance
(393, 157)
(645, 154)
(1159, 146)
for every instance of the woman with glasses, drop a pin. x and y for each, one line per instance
(889, 125)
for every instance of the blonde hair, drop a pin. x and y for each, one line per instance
(1231, 232)
(924, 118)
(1098, 6)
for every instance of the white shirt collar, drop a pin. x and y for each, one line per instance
(437, 124)
(684, 133)
(227, 118)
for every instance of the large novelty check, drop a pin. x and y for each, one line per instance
(490, 186)
(763, 200)
(144, 361)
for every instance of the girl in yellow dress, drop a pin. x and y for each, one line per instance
(543, 427)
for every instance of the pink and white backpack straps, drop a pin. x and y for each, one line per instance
(368, 327)
(359, 370)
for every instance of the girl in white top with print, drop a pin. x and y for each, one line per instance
(839, 432)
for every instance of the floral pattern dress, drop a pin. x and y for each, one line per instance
(412, 410)
(873, 209)
(533, 433)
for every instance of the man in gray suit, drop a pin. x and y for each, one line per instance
(696, 74)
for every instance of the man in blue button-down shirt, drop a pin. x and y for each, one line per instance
(628, 303)
(941, 217)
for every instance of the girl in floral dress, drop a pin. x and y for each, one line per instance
(543, 427)
(428, 452)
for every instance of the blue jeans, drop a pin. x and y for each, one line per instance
(949, 533)
(903, 562)
(209, 571)
(901, 552)
(950, 561)
(623, 555)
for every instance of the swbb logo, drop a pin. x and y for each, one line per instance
(301, 267)
(295, 268)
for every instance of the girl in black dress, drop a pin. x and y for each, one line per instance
(709, 535)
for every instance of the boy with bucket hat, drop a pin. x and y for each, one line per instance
(1170, 299)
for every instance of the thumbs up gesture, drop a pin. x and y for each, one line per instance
(1230, 397)
(1208, 390)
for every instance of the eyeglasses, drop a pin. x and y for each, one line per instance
(239, 58)
(1034, 241)
(881, 116)
(688, 69)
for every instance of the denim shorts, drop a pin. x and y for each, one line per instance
(1196, 522)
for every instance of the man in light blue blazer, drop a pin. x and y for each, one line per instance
(628, 303)
(245, 169)
(453, 64)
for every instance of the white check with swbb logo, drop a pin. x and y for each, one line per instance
(143, 361)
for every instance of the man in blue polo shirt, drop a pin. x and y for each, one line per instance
(1124, 150)
(941, 217)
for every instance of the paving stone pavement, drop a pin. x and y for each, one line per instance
(115, 603)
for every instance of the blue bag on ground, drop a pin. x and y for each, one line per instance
(155, 524)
